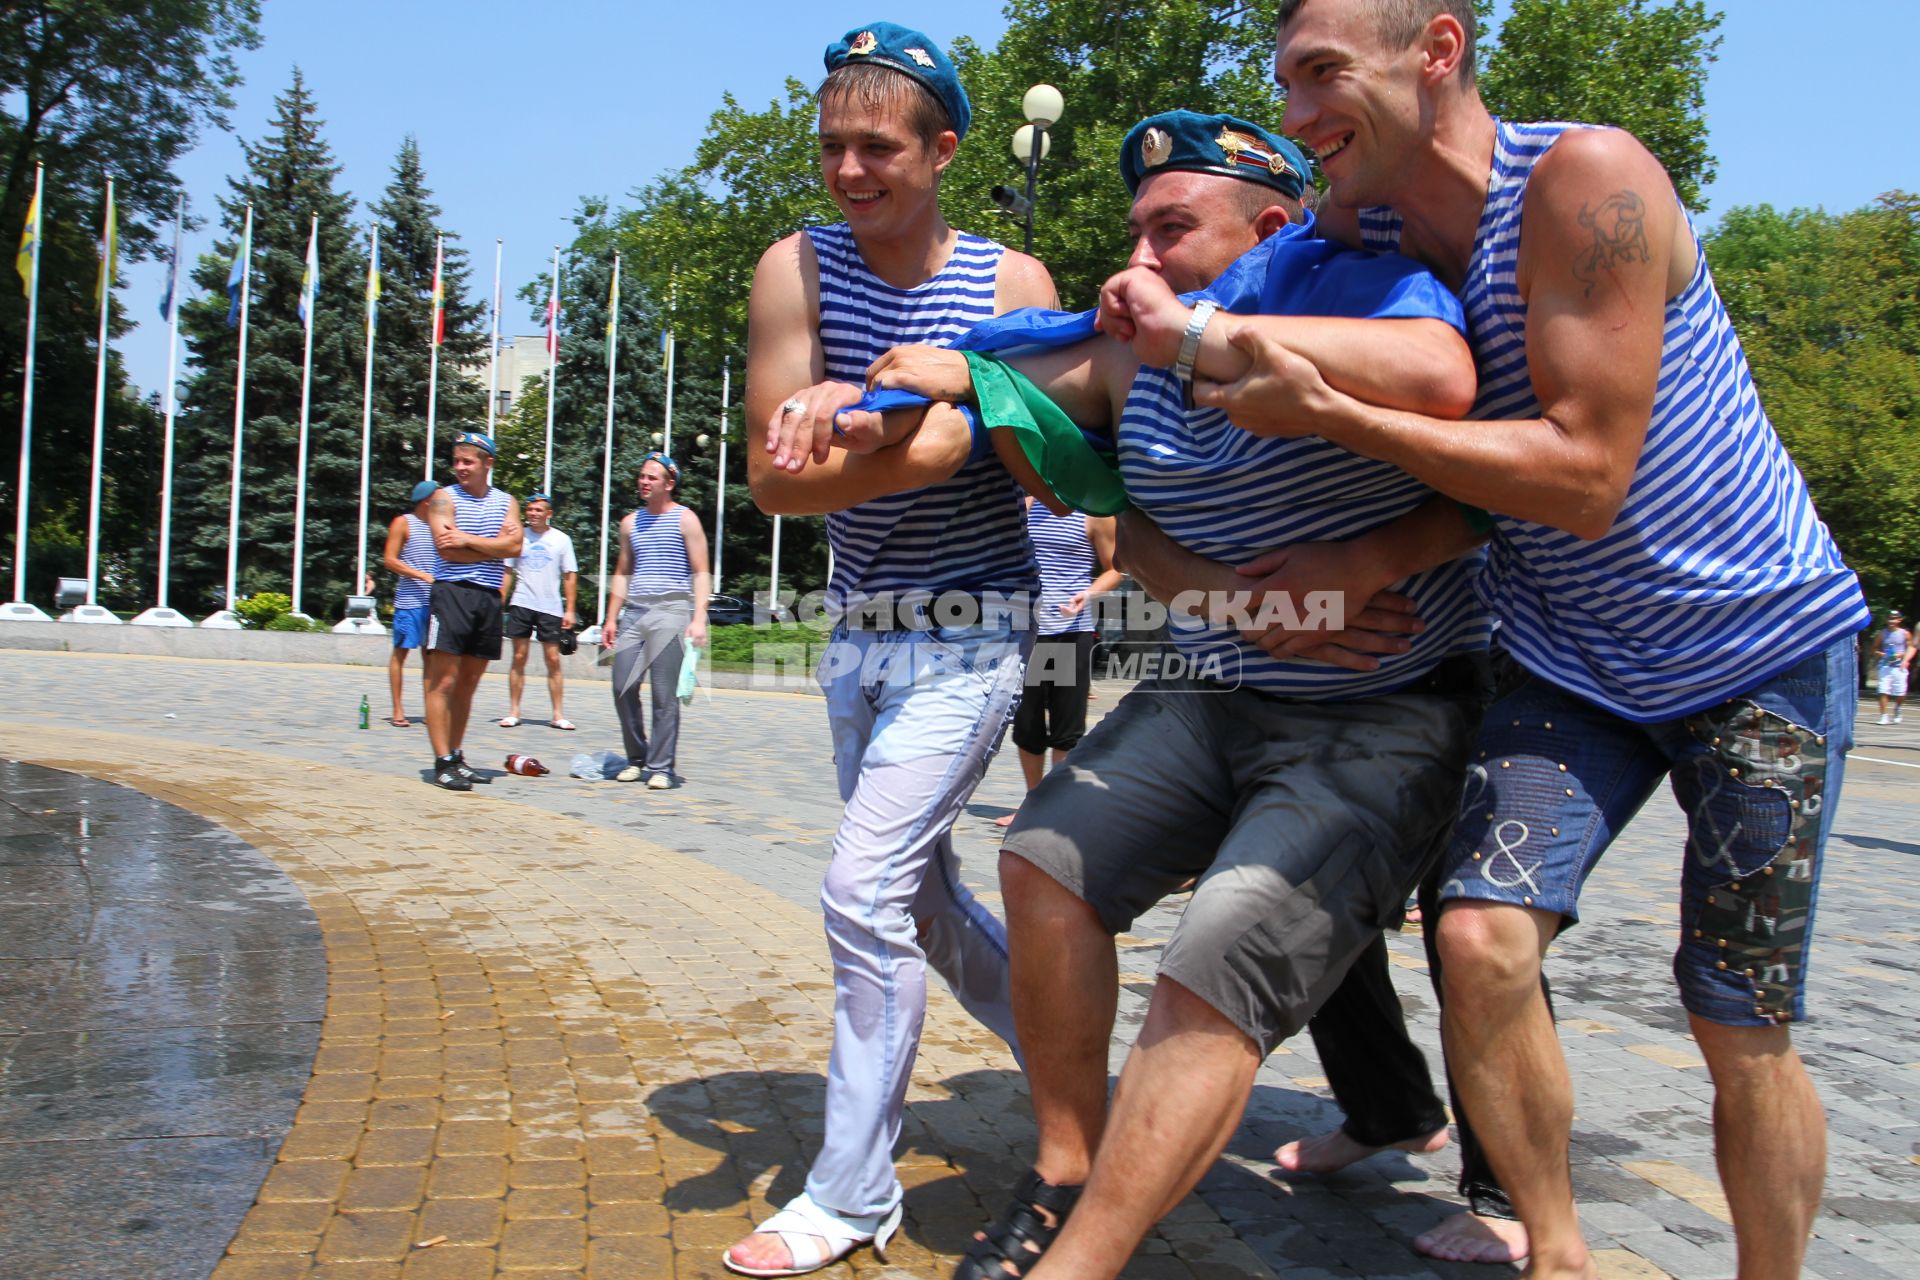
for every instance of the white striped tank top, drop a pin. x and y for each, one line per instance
(1067, 566)
(1230, 495)
(660, 564)
(964, 534)
(1717, 572)
(417, 553)
(481, 517)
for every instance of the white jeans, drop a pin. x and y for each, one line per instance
(916, 716)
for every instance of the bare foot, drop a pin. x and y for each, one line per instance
(1468, 1237)
(765, 1251)
(1330, 1152)
(1006, 819)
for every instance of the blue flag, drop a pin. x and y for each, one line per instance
(168, 299)
(236, 280)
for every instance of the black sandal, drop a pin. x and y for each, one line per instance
(1016, 1241)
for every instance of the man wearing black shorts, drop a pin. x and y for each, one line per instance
(539, 592)
(475, 527)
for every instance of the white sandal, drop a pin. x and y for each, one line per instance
(801, 1220)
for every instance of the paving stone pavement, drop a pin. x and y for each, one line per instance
(581, 1027)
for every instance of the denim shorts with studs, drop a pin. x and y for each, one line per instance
(1555, 778)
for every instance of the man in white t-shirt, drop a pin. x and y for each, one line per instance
(539, 591)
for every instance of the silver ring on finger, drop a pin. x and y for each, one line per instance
(792, 406)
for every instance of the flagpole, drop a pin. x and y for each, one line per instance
(20, 607)
(172, 401)
(553, 360)
(720, 477)
(366, 412)
(493, 342)
(773, 577)
(666, 431)
(311, 290)
(239, 416)
(606, 460)
(100, 403)
(433, 367)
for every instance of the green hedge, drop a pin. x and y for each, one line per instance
(734, 645)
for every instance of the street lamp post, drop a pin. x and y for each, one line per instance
(1042, 107)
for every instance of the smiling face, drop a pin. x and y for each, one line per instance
(471, 466)
(1189, 227)
(539, 515)
(1360, 100)
(880, 173)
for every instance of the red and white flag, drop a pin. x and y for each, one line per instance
(439, 294)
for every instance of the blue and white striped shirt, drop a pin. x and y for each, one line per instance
(417, 552)
(1230, 495)
(481, 517)
(967, 533)
(661, 567)
(1067, 566)
(1717, 571)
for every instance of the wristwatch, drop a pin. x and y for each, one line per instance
(1190, 344)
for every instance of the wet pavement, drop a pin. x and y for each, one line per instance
(577, 1028)
(161, 991)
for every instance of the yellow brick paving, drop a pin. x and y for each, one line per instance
(519, 1062)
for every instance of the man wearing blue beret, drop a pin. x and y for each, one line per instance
(916, 711)
(1304, 796)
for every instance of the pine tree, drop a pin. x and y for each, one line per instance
(409, 221)
(290, 178)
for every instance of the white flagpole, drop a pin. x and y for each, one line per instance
(239, 413)
(433, 366)
(553, 360)
(100, 402)
(666, 432)
(773, 577)
(173, 404)
(606, 460)
(306, 402)
(26, 403)
(720, 476)
(366, 417)
(493, 341)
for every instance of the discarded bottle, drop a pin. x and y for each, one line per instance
(366, 711)
(526, 765)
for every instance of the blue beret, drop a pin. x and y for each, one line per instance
(478, 439)
(422, 491)
(910, 53)
(1188, 142)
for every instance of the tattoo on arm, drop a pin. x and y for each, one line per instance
(1619, 229)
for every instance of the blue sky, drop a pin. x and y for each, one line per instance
(522, 109)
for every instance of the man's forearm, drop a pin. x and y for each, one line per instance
(1419, 365)
(931, 454)
(1168, 570)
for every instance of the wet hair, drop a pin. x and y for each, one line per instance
(1399, 23)
(882, 90)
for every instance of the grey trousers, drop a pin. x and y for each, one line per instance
(650, 647)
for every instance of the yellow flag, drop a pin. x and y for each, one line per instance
(109, 253)
(24, 263)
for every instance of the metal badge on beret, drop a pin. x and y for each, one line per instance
(921, 56)
(1156, 148)
(863, 44)
(1240, 148)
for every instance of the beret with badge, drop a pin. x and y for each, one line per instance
(888, 44)
(1188, 142)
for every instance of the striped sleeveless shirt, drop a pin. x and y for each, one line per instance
(416, 553)
(1067, 566)
(660, 565)
(966, 533)
(1230, 495)
(483, 517)
(1717, 571)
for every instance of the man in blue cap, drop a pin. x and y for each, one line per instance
(410, 557)
(475, 528)
(1305, 797)
(915, 713)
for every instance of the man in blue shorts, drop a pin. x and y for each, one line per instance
(1650, 537)
(411, 558)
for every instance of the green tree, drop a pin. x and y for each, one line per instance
(289, 180)
(1826, 309)
(1639, 66)
(94, 89)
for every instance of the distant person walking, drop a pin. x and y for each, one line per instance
(475, 528)
(1072, 549)
(413, 561)
(656, 601)
(1894, 645)
(540, 587)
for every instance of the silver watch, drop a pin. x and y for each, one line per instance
(1190, 342)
